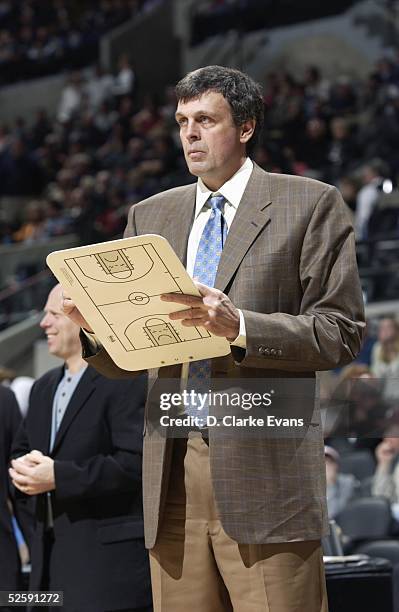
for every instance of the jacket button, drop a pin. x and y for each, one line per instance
(266, 351)
(273, 352)
(279, 352)
(260, 349)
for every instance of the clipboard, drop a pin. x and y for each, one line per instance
(117, 285)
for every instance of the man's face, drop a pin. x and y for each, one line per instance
(62, 334)
(387, 331)
(214, 147)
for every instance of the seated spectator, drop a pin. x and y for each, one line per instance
(19, 171)
(386, 477)
(357, 409)
(341, 488)
(314, 147)
(99, 88)
(341, 151)
(71, 98)
(349, 188)
(33, 227)
(110, 223)
(124, 80)
(41, 128)
(315, 88)
(57, 223)
(368, 196)
(342, 98)
(385, 357)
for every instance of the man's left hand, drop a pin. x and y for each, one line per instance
(212, 310)
(33, 473)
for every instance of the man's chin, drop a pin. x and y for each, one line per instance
(196, 168)
(52, 350)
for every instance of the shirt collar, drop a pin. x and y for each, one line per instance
(80, 372)
(232, 190)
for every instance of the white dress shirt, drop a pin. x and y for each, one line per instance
(232, 191)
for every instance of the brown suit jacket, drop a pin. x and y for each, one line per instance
(289, 264)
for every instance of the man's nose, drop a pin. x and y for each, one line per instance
(44, 322)
(192, 132)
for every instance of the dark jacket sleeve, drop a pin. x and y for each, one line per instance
(20, 445)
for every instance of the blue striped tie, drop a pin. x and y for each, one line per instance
(205, 268)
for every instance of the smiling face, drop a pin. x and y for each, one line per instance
(62, 334)
(214, 147)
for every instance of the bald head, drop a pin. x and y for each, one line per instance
(62, 334)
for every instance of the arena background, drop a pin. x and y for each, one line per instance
(87, 129)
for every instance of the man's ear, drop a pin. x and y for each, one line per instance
(247, 130)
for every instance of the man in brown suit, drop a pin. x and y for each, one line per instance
(234, 522)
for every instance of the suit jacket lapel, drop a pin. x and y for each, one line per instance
(177, 228)
(82, 392)
(251, 217)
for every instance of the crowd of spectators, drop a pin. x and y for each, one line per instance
(342, 131)
(361, 417)
(40, 37)
(104, 151)
(327, 128)
(101, 153)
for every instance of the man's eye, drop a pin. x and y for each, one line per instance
(204, 119)
(181, 122)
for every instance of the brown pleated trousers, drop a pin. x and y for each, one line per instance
(197, 567)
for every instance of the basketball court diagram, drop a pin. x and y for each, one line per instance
(117, 286)
(135, 277)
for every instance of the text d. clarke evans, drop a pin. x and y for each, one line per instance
(229, 421)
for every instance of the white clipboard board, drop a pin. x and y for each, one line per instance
(117, 286)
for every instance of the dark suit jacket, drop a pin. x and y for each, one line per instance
(98, 557)
(10, 418)
(289, 263)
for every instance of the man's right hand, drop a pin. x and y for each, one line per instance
(69, 309)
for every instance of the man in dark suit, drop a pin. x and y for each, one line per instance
(79, 453)
(10, 418)
(235, 522)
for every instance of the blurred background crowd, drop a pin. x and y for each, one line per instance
(107, 147)
(38, 38)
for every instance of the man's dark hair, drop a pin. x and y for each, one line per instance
(242, 93)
